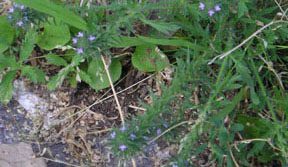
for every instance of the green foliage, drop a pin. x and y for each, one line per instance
(6, 34)
(55, 60)
(149, 58)
(6, 86)
(236, 107)
(98, 75)
(54, 34)
(57, 11)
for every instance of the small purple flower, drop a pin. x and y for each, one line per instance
(25, 13)
(113, 135)
(159, 131)
(122, 147)
(74, 40)
(165, 125)
(15, 5)
(174, 165)
(25, 18)
(133, 136)
(123, 128)
(22, 7)
(154, 127)
(19, 23)
(201, 6)
(211, 12)
(80, 34)
(91, 38)
(217, 8)
(80, 51)
(11, 10)
(9, 17)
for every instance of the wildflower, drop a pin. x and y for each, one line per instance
(74, 40)
(11, 10)
(174, 165)
(123, 128)
(91, 38)
(133, 136)
(113, 135)
(211, 12)
(217, 8)
(122, 147)
(25, 18)
(159, 131)
(22, 7)
(9, 17)
(80, 51)
(165, 125)
(80, 34)
(15, 5)
(19, 23)
(201, 6)
(25, 13)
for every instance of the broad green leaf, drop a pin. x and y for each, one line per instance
(54, 35)
(6, 34)
(34, 74)
(147, 59)
(161, 26)
(48, 7)
(55, 59)
(98, 75)
(6, 87)
(122, 41)
(170, 42)
(28, 45)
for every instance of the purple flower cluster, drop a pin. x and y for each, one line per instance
(14, 11)
(81, 36)
(211, 11)
(132, 136)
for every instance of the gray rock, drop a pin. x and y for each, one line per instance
(19, 155)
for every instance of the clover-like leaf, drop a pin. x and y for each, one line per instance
(97, 73)
(149, 58)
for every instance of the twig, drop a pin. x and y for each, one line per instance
(246, 40)
(273, 70)
(169, 129)
(137, 108)
(113, 90)
(61, 162)
(233, 158)
(133, 162)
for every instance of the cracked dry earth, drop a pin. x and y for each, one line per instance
(66, 136)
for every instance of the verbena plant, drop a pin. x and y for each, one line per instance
(238, 110)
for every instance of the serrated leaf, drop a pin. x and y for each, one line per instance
(161, 26)
(147, 59)
(7, 61)
(6, 34)
(97, 73)
(53, 35)
(57, 80)
(242, 8)
(236, 127)
(48, 7)
(229, 108)
(55, 59)
(28, 45)
(34, 74)
(6, 87)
